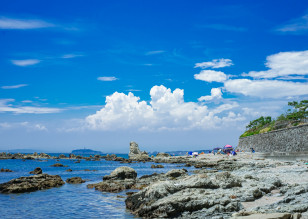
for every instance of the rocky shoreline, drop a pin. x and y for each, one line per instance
(243, 186)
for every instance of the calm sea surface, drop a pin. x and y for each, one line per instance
(69, 200)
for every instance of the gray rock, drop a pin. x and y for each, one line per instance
(180, 198)
(121, 173)
(176, 173)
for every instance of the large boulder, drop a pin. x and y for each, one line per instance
(176, 173)
(121, 173)
(31, 183)
(120, 179)
(136, 154)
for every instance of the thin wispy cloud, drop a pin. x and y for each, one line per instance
(27, 101)
(133, 90)
(108, 78)
(25, 62)
(23, 24)
(155, 52)
(215, 63)
(14, 86)
(7, 106)
(70, 56)
(295, 26)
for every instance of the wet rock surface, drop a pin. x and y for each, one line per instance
(5, 170)
(31, 183)
(37, 170)
(75, 180)
(58, 165)
(157, 166)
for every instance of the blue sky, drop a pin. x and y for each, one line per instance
(171, 75)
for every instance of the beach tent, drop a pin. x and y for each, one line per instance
(195, 153)
(190, 153)
(227, 148)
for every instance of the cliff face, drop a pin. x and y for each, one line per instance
(293, 139)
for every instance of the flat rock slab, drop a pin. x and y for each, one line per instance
(31, 183)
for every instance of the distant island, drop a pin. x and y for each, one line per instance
(86, 152)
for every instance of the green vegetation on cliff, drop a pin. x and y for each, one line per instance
(296, 116)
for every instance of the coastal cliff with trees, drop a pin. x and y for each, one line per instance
(298, 115)
(287, 133)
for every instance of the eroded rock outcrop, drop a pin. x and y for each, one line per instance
(136, 154)
(31, 183)
(197, 196)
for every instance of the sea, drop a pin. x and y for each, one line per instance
(70, 200)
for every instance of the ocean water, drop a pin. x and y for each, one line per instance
(69, 200)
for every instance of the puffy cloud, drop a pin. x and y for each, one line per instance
(14, 86)
(266, 88)
(25, 62)
(112, 78)
(23, 24)
(215, 63)
(211, 75)
(166, 110)
(6, 107)
(283, 64)
(215, 94)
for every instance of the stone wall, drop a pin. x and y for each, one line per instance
(293, 139)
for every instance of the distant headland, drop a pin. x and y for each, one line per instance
(86, 152)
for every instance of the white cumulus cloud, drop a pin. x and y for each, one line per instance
(25, 62)
(167, 110)
(109, 78)
(283, 64)
(211, 75)
(215, 63)
(216, 94)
